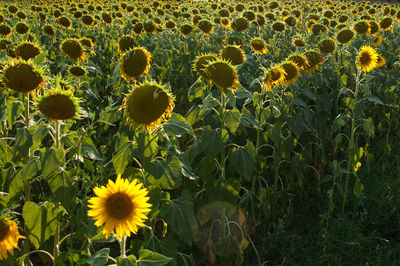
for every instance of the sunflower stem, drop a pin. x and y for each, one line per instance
(27, 185)
(122, 244)
(56, 248)
(223, 102)
(351, 142)
(57, 126)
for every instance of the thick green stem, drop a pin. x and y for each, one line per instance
(122, 245)
(56, 249)
(27, 185)
(223, 103)
(57, 127)
(351, 143)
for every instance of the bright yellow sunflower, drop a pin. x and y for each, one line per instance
(121, 206)
(9, 237)
(381, 61)
(367, 58)
(274, 77)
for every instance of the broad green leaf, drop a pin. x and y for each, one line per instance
(211, 142)
(123, 158)
(232, 119)
(177, 125)
(41, 221)
(147, 147)
(52, 160)
(99, 258)
(23, 141)
(179, 215)
(14, 110)
(166, 174)
(243, 160)
(149, 258)
(31, 168)
(128, 261)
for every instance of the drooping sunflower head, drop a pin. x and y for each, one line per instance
(234, 40)
(292, 71)
(233, 54)
(28, 50)
(298, 41)
(362, 27)
(225, 22)
(59, 104)
(150, 26)
(88, 20)
(314, 60)
(135, 63)
(367, 58)
(138, 28)
(373, 27)
(49, 30)
(326, 46)
(73, 49)
(9, 237)
(201, 62)
(148, 105)
(318, 28)
(186, 29)
(5, 31)
(21, 28)
(107, 19)
(205, 26)
(222, 74)
(273, 77)
(278, 26)
(23, 77)
(381, 61)
(77, 71)
(345, 36)
(64, 22)
(386, 23)
(258, 46)
(377, 41)
(125, 43)
(87, 42)
(299, 60)
(240, 24)
(121, 206)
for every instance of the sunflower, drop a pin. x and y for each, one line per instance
(298, 41)
(240, 24)
(65, 22)
(292, 72)
(77, 71)
(150, 27)
(386, 23)
(201, 62)
(345, 36)
(121, 206)
(49, 30)
(148, 105)
(274, 77)
(233, 40)
(326, 46)
(234, 54)
(73, 49)
(362, 27)
(367, 58)
(377, 41)
(5, 31)
(28, 50)
(125, 43)
(21, 76)
(300, 60)
(222, 74)
(21, 28)
(205, 26)
(135, 63)
(9, 237)
(186, 29)
(225, 22)
(314, 60)
(278, 26)
(59, 104)
(381, 61)
(258, 46)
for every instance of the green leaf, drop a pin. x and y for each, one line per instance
(374, 99)
(52, 161)
(23, 141)
(123, 158)
(179, 215)
(243, 160)
(14, 110)
(232, 119)
(343, 79)
(178, 126)
(211, 142)
(166, 174)
(99, 258)
(149, 258)
(128, 261)
(31, 168)
(41, 221)
(369, 128)
(147, 147)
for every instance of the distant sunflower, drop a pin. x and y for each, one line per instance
(326, 46)
(5, 31)
(240, 24)
(148, 105)
(73, 49)
(9, 237)
(135, 63)
(345, 36)
(377, 41)
(49, 30)
(59, 105)
(186, 29)
(273, 77)
(258, 46)
(77, 71)
(222, 74)
(367, 58)
(300, 60)
(386, 23)
(121, 206)
(205, 26)
(21, 28)
(381, 61)
(234, 54)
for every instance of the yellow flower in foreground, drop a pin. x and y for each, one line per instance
(8, 238)
(121, 206)
(367, 58)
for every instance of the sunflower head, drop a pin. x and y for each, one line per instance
(87, 42)
(345, 36)
(121, 206)
(234, 40)
(222, 74)
(73, 49)
(21, 76)
(299, 60)
(186, 29)
(126, 43)
(317, 29)
(225, 22)
(64, 22)
(9, 237)
(77, 71)
(88, 20)
(5, 31)
(362, 27)
(240, 24)
(59, 104)
(292, 71)
(150, 26)
(49, 30)
(135, 63)
(326, 46)
(148, 105)
(298, 41)
(273, 77)
(233, 54)
(314, 60)
(386, 23)
(367, 58)
(258, 46)
(28, 50)
(201, 62)
(138, 28)
(373, 27)
(21, 28)
(205, 26)
(377, 41)
(278, 26)
(381, 61)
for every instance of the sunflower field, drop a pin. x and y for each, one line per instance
(157, 132)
